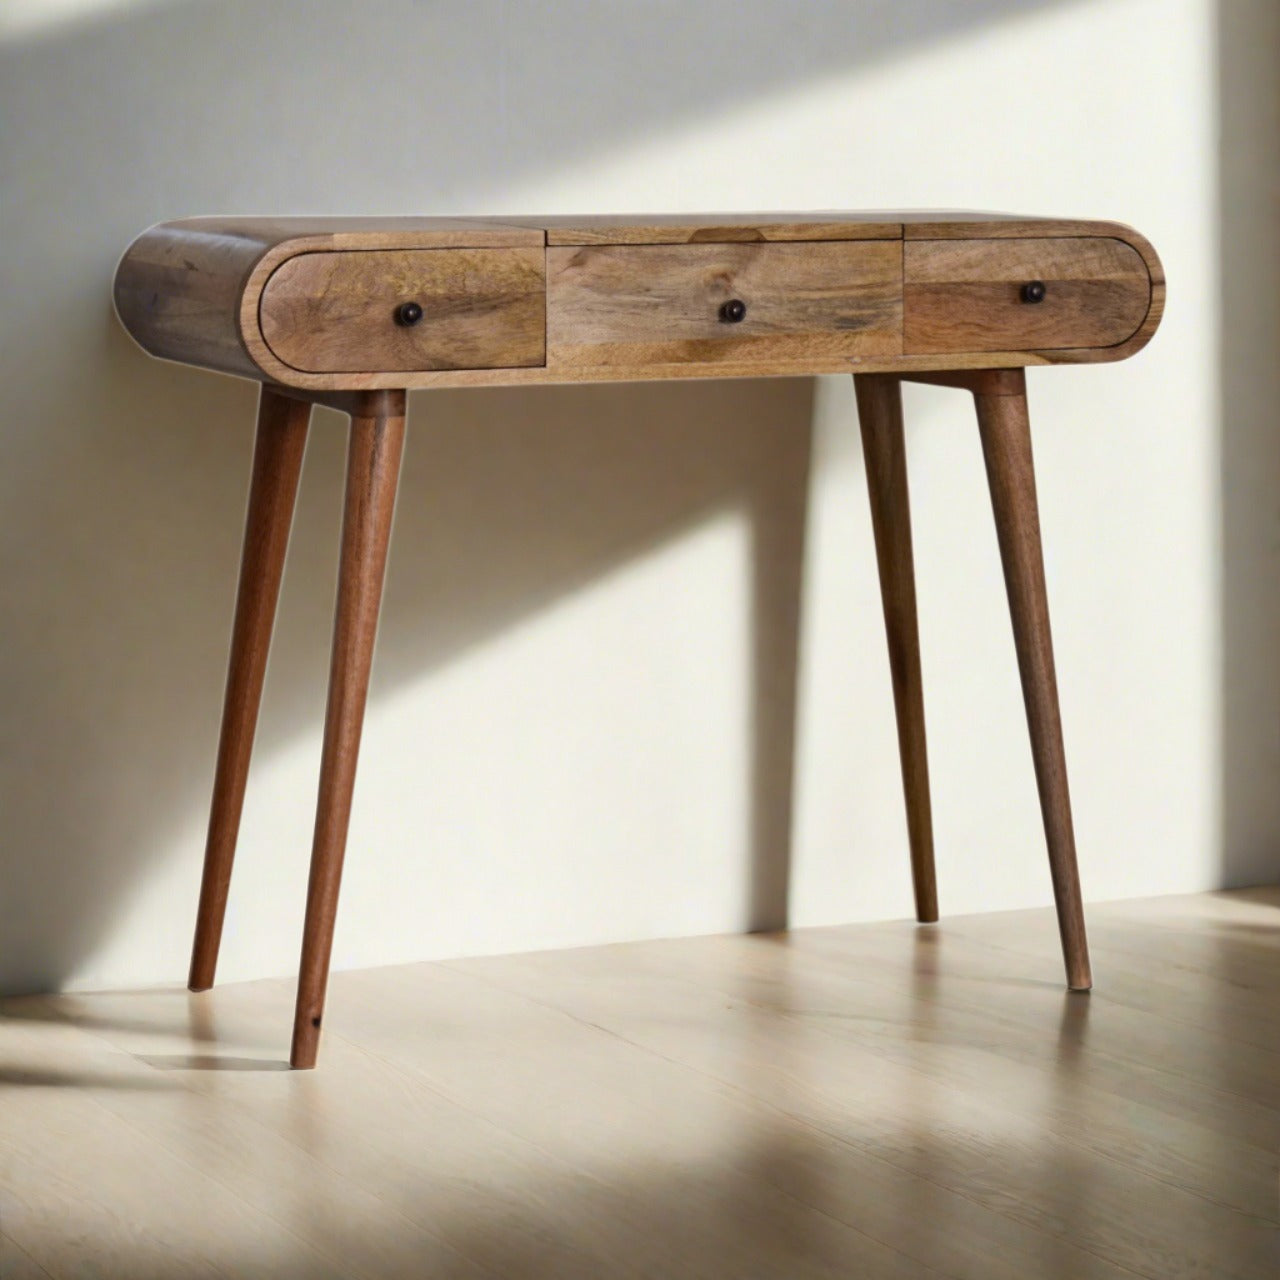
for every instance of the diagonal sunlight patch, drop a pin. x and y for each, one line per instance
(40, 17)
(581, 776)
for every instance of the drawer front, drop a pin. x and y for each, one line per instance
(354, 311)
(974, 295)
(636, 305)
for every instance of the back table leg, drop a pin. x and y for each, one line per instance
(884, 450)
(373, 470)
(277, 461)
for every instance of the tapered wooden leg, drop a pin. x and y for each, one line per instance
(373, 469)
(1006, 445)
(884, 448)
(277, 461)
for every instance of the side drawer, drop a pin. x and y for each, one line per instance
(978, 295)
(636, 305)
(341, 312)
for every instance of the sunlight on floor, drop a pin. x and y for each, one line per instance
(876, 1100)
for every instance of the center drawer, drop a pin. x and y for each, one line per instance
(636, 305)
(398, 310)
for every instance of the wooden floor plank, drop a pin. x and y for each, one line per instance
(1235, 1082)
(18, 1264)
(510, 1205)
(83, 1193)
(847, 1169)
(878, 1100)
(1053, 1074)
(665, 1141)
(355, 1231)
(1194, 1128)
(1222, 984)
(889, 1090)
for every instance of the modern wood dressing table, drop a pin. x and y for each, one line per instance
(354, 312)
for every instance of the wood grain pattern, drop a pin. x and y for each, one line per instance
(1004, 426)
(635, 304)
(273, 489)
(329, 234)
(191, 290)
(179, 291)
(989, 382)
(373, 472)
(1038, 1107)
(860, 1100)
(336, 312)
(17, 1264)
(885, 455)
(677, 370)
(968, 224)
(718, 228)
(964, 295)
(830, 224)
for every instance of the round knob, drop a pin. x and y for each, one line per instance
(408, 313)
(1033, 291)
(733, 311)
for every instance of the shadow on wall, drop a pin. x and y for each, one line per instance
(1249, 195)
(124, 480)
(503, 508)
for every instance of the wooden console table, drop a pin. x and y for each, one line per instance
(353, 312)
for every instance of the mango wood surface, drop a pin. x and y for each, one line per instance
(180, 288)
(193, 291)
(828, 224)
(336, 312)
(718, 228)
(965, 295)
(633, 305)
(323, 233)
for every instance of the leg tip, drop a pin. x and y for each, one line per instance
(306, 1044)
(302, 1053)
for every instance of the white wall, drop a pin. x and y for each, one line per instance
(581, 724)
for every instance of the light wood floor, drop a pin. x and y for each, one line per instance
(869, 1101)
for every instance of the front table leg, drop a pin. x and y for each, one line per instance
(1005, 428)
(373, 470)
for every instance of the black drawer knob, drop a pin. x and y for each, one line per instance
(408, 313)
(733, 311)
(1033, 291)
